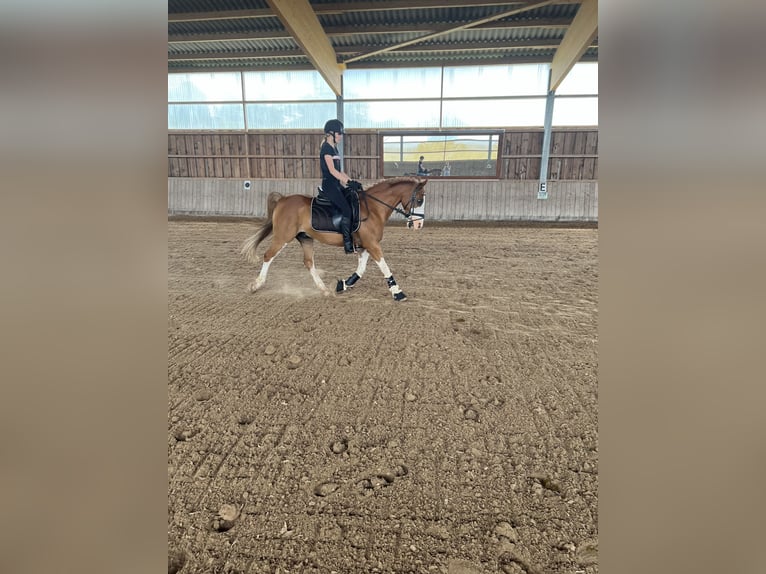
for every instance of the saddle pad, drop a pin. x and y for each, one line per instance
(325, 218)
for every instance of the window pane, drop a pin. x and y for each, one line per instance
(205, 117)
(515, 80)
(289, 116)
(399, 83)
(575, 112)
(581, 79)
(205, 87)
(494, 113)
(286, 86)
(444, 155)
(402, 114)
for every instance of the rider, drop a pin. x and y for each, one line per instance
(334, 180)
(421, 168)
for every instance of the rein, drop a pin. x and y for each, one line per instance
(409, 215)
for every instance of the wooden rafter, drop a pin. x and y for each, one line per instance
(298, 17)
(579, 36)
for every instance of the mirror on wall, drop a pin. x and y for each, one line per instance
(464, 154)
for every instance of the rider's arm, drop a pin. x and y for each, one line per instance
(339, 175)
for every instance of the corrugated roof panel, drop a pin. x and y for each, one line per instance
(459, 15)
(240, 26)
(534, 35)
(462, 36)
(233, 46)
(422, 16)
(294, 62)
(377, 40)
(182, 6)
(504, 34)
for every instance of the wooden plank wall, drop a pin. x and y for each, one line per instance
(446, 200)
(295, 155)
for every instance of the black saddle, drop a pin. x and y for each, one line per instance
(325, 218)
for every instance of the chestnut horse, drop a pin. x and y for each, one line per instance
(289, 217)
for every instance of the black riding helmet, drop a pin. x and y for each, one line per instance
(333, 127)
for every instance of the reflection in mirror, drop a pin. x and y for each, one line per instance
(453, 154)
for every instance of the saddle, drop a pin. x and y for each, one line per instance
(325, 218)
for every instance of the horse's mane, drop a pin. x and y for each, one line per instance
(395, 180)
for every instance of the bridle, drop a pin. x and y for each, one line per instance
(412, 203)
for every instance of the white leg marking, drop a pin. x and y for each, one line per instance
(384, 268)
(258, 283)
(318, 280)
(363, 258)
(387, 273)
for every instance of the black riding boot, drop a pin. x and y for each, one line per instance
(345, 229)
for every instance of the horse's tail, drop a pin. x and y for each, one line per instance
(251, 243)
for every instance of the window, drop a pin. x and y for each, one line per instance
(463, 154)
(205, 117)
(289, 115)
(211, 87)
(450, 97)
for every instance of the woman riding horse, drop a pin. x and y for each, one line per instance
(289, 217)
(334, 180)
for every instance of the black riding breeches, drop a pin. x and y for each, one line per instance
(335, 194)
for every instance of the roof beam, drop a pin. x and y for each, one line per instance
(579, 36)
(524, 8)
(301, 21)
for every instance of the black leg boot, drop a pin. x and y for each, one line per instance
(345, 229)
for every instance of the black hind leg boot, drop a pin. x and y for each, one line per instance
(345, 229)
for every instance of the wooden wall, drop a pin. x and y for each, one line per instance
(295, 154)
(446, 199)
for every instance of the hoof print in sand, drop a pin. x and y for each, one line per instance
(226, 518)
(325, 488)
(339, 446)
(542, 483)
(368, 485)
(470, 413)
(246, 419)
(381, 480)
(183, 435)
(401, 470)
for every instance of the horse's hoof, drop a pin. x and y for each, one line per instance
(252, 287)
(340, 286)
(400, 296)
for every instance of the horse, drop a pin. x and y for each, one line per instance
(289, 217)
